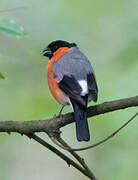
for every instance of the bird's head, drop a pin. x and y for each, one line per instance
(54, 46)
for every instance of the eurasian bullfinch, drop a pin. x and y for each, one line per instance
(72, 81)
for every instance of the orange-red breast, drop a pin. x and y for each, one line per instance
(71, 80)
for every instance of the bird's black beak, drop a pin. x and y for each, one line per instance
(47, 52)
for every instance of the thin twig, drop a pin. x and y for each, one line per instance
(56, 141)
(59, 154)
(107, 138)
(79, 159)
(68, 148)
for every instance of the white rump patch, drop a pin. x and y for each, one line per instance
(84, 86)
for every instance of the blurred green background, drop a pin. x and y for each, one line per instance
(107, 32)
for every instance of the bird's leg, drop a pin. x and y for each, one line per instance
(60, 112)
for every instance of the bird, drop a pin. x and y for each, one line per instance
(71, 80)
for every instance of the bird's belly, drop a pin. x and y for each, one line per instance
(57, 93)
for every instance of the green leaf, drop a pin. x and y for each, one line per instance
(1, 76)
(10, 27)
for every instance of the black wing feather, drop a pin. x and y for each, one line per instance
(92, 86)
(71, 87)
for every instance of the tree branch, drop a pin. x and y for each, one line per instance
(69, 161)
(79, 159)
(51, 126)
(29, 127)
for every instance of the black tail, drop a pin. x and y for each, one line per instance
(80, 112)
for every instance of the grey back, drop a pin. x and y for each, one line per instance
(75, 63)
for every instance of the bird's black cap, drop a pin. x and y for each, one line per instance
(55, 45)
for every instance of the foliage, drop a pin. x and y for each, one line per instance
(11, 28)
(8, 26)
(1, 76)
